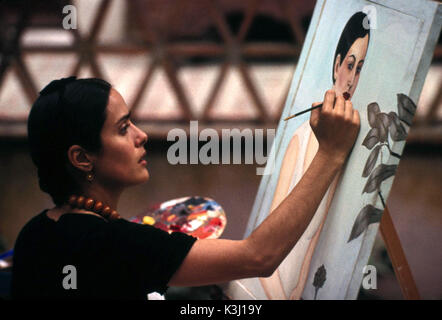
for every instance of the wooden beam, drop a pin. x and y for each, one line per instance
(397, 257)
(247, 79)
(247, 22)
(210, 102)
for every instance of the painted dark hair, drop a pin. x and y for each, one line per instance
(68, 111)
(353, 30)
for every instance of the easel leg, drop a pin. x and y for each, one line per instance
(397, 257)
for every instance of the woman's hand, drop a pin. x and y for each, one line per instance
(336, 126)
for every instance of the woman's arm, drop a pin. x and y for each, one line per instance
(336, 126)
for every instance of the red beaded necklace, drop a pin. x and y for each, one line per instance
(81, 202)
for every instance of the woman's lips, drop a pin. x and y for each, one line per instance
(346, 95)
(142, 157)
(142, 160)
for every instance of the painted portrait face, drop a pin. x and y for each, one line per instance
(119, 163)
(348, 69)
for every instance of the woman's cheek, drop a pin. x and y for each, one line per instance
(341, 88)
(347, 74)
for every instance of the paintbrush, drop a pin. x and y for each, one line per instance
(346, 97)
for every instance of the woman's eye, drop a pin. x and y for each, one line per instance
(358, 70)
(124, 128)
(350, 66)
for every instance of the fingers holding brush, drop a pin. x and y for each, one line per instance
(348, 112)
(329, 101)
(314, 116)
(336, 126)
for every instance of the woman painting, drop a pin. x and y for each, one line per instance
(289, 279)
(88, 151)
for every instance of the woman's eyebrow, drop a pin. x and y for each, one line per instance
(352, 56)
(125, 117)
(362, 61)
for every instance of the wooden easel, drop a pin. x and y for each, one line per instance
(391, 238)
(397, 257)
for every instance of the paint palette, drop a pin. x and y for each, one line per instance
(200, 217)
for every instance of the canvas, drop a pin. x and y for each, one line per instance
(377, 53)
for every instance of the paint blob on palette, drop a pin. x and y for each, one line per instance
(200, 217)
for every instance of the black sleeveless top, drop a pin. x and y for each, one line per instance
(83, 256)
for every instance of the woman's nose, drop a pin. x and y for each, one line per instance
(351, 80)
(142, 138)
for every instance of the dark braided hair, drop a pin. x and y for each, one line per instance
(68, 111)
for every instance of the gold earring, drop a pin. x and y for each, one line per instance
(90, 177)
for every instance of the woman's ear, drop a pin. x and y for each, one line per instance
(337, 64)
(79, 158)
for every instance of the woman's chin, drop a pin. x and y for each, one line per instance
(142, 178)
(146, 176)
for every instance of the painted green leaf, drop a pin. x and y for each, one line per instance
(372, 110)
(368, 215)
(371, 161)
(379, 174)
(372, 138)
(397, 129)
(406, 108)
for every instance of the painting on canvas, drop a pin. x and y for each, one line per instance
(376, 55)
